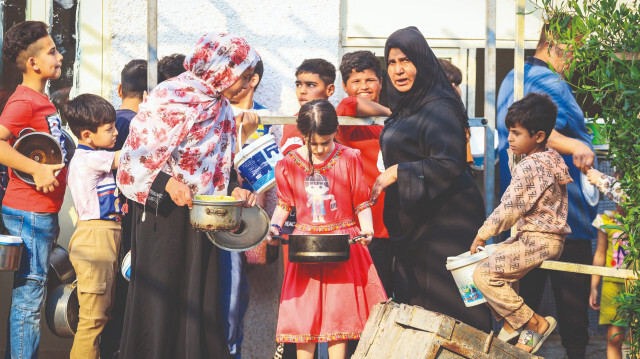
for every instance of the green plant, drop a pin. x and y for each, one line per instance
(604, 38)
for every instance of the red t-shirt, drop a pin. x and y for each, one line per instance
(28, 108)
(363, 138)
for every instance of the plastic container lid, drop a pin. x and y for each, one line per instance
(10, 240)
(467, 258)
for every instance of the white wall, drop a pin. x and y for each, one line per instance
(283, 32)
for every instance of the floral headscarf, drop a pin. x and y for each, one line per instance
(185, 127)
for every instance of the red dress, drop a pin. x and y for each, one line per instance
(323, 302)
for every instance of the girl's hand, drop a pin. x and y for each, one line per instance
(593, 175)
(273, 231)
(179, 192)
(244, 195)
(593, 299)
(386, 178)
(478, 242)
(369, 236)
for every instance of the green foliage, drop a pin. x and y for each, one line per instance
(605, 38)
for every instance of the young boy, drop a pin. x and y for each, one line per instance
(537, 200)
(170, 66)
(314, 80)
(94, 246)
(30, 212)
(133, 84)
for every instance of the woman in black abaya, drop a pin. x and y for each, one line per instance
(433, 208)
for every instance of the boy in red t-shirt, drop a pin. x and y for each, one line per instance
(30, 212)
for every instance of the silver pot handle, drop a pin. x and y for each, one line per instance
(25, 131)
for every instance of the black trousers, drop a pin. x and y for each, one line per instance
(571, 291)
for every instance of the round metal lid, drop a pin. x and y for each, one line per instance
(591, 193)
(254, 228)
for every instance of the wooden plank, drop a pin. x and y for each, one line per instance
(589, 269)
(344, 120)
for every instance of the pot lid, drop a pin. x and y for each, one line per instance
(590, 191)
(254, 228)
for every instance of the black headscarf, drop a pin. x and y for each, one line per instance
(431, 81)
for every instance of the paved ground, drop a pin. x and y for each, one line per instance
(553, 349)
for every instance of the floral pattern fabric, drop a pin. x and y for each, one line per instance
(185, 127)
(610, 187)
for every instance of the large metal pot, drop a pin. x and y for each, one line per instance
(216, 216)
(10, 253)
(318, 248)
(40, 147)
(62, 310)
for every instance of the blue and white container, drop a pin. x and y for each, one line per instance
(256, 163)
(462, 268)
(10, 253)
(125, 268)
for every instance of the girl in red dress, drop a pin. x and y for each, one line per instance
(324, 181)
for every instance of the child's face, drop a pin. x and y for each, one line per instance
(522, 143)
(47, 61)
(365, 84)
(105, 137)
(322, 146)
(309, 86)
(238, 86)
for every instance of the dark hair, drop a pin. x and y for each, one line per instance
(133, 79)
(18, 40)
(453, 72)
(359, 61)
(88, 112)
(258, 70)
(59, 98)
(323, 68)
(170, 66)
(316, 117)
(549, 34)
(535, 112)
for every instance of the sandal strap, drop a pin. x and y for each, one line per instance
(530, 338)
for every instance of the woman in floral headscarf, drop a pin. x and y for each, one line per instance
(181, 144)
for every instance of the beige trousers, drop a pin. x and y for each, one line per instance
(497, 275)
(93, 251)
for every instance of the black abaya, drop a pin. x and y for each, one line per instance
(434, 209)
(173, 307)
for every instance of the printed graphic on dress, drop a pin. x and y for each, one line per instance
(55, 128)
(618, 250)
(317, 188)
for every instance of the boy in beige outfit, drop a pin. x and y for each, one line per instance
(537, 200)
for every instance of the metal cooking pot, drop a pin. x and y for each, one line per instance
(60, 268)
(216, 216)
(40, 147)
(62, 310)
(10, 253)
(318, 248)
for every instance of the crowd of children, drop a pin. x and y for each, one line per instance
(324, 185)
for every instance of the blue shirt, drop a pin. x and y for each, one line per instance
(539, 78)
(123, 120)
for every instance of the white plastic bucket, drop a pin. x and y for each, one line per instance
(256, 163)
(125, 268)
(462, 268)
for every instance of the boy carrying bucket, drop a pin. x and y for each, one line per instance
(537, 200)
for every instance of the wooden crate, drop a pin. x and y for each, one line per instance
(399, 331)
